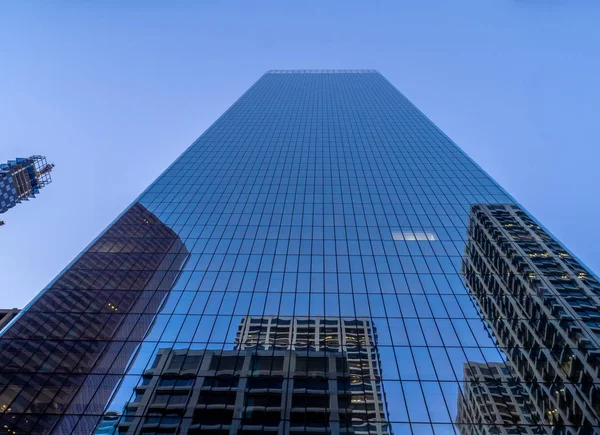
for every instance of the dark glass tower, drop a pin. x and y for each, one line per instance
(322, 260)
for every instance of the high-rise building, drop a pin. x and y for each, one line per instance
(543, 308)
(21, 179)
(322, 233)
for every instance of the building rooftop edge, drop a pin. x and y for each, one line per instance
(322, 71)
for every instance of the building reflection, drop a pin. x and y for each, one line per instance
(284, 375)
(543, 309)
(494, 401)
(67, 352)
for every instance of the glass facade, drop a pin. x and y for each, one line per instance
(323, 259)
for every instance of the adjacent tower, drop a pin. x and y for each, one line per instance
(21, 179)
(543, 307)
(323, 259)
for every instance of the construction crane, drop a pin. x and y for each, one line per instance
(46, 169)
(22, 179)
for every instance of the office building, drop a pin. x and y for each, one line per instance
(327, 200)
(543, 308)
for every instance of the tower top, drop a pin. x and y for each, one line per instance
(322, 71)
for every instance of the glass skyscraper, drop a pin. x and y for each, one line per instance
(323, 259)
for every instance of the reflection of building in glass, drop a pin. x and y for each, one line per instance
(72, 336)
(543, 308)
(21, 179)
(286, 374)
(495, 398)
(108, 425)
(355, 338)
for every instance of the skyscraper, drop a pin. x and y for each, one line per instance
(543, 307)
(323, 259)
(21, 179)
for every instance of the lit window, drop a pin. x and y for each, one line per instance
(410, 235)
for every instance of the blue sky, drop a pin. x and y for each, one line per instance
(112, 92)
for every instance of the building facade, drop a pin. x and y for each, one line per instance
(323, 259)
(21, 179)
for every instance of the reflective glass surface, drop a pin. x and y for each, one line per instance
(323, 259)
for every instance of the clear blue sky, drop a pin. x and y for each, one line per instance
(114, 91)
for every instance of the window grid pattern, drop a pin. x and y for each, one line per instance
(323, 259)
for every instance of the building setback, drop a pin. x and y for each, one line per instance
(323, 259)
